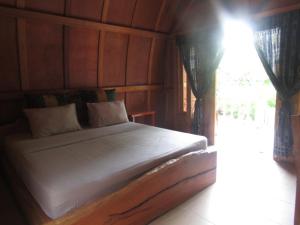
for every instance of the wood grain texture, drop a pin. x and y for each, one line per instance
(136, 102)
(138, 60)
(83, 58)
(8, 2)
(114, 59)
(53, 53)
(50, 6)
(157, 103)
(120, 12)
(158, 63)
(137, 203)
(63, 20)
(45, 68)
(146, 14)
(167, 17)
(91, 9)
(9, 69)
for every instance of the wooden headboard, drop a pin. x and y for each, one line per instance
(11, 104)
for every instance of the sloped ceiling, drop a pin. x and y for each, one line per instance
(153, 15)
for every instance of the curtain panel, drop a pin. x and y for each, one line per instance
(201, 55)
(277, 41)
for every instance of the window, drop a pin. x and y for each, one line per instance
(188, 98)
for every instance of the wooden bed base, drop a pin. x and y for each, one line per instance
(138, 203)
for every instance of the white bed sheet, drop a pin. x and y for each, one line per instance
(65, 171)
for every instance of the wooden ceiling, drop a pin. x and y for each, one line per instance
(152, 15)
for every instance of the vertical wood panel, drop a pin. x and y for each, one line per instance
(83, 58)
(9, 68)
(8, 2)
(146, 13)
(158, 63)
(51, 6)
(136, 102)
(114, 59)
(157, 100)
(167, 16)
(45, 59)
(120, 12)
(138, 60)
(100, 75)
(90, 9)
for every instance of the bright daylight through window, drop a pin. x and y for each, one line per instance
(245, 96)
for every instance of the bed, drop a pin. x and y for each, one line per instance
(122, 174)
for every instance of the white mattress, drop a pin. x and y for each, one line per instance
(65, 171)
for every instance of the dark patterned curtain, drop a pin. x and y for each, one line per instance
(277, 41)
(201, 55)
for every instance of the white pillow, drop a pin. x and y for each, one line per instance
(53, 120)
(107, 113)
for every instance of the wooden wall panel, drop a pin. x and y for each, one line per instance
(120, 12)
(51, 6)
(9, 68)
(114, 59)
(8, 2)
(157, 100)
(136, 102)
(120, 96)
(83, 58)
(91, 9)
(60, 52)
(158, 64)
(45, 56)
(263, 5)
(138, 60)
(168, 16)
(146, 13)
(9, 111)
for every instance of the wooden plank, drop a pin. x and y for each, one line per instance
(9, 59)
(114, 52)
(8, 96)
(100, 74)
(159, 17)
(276, 11)
(137, 88)
(120, 12)
(83, 57)
(52, 6)
(138, 60)
(137, 203)
(146, 13)
(22, 46)
(186, 4)
(89, 9)
(105, 11)
(150, 66)
(80, 23)
(66, 55)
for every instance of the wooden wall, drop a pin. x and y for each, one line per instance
(68, 44)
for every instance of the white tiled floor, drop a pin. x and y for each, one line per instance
(251, 189)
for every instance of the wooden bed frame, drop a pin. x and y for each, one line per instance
(138, 203)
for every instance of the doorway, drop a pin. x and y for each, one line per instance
(245, 97)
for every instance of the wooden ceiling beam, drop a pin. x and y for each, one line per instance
(275, 11)
(74, 22)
